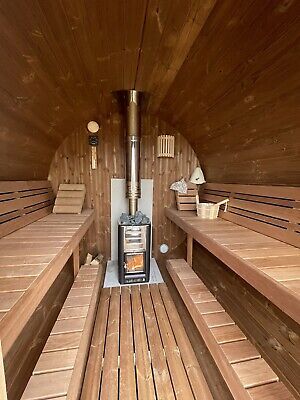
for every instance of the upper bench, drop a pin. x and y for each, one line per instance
(258, 238)
(35, 245)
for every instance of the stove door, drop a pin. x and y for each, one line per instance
(134, 263)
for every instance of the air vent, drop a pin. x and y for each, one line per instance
(166, 146)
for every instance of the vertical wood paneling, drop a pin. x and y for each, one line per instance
(72, 164)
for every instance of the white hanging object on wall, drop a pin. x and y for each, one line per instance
(166, 146)
(197, 176)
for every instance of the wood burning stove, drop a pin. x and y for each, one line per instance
(134, 253)
(134, 230)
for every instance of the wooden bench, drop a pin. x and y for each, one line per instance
(245, 372)
(258, 238)
(59, 372)
(34, 248)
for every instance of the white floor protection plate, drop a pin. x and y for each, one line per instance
(111, 275)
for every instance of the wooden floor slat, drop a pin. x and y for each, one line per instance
(161, 374)
(145, 382)
(177, 371)
(193, 370)
(127, 368)
(111, 355)
(140, 349)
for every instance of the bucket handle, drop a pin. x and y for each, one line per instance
(216, 204)
(223, 202)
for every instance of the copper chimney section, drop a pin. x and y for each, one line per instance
(133, 138)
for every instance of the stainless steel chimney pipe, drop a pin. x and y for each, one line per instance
(133, 138)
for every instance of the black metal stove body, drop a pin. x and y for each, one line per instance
(134, 253)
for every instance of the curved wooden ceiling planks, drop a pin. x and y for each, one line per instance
(225, 73)
(237, 98)
(60, 60)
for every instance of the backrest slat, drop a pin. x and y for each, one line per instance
(23, 202)
(271, 210)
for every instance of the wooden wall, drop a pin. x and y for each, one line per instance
(239, 101)
(60, 60)
(224, 73)
(71, 164)
(276, 335)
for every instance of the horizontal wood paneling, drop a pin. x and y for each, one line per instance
(23, 202)
(72, 164)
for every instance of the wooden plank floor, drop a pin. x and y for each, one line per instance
(140, 349)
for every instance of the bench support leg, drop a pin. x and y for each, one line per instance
(189, 252)
(3, 393)
(76, 261)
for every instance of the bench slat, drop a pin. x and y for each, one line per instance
(254, 373)
(65, 353)
(270, 210)
(23, 202)
(248, 264)
(239, 351)
(273, 391)
(49, 267)
(64, 341)
(238, 361)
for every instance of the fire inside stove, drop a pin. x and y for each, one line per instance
(134, 263)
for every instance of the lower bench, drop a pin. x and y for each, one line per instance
(245, 372)
(60, 369)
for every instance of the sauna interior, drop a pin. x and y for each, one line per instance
(150, 199)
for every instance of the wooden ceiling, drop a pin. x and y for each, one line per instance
(225, 73)
(237, 95)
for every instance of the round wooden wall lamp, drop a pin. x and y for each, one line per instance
(93, 127)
